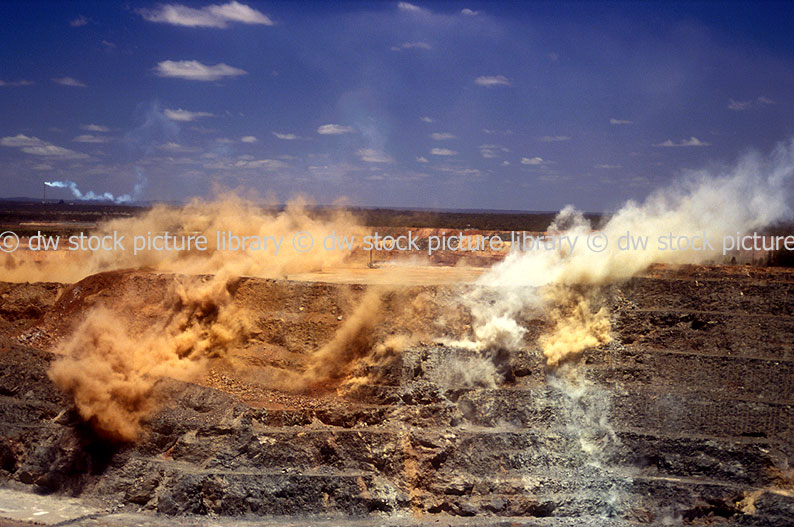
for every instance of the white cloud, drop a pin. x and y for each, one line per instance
(333, 172)
(176, 148)
(744, 105)
(247, 163)
(441, 136)
(412, 45)
(19, 141)
(492, 151)
(217, 16)
(248, 139)
(426, 119)
(551, 178)
(443, 152)
(609, 166)
(88, 138)
(286, 137)
(405, 6)
(553, 138)
(422, 159)
(620, 121)
(237, 12)
(534, 161)
(38, 147)
(184, 115)
(15, 83)
(488, 153)
(79, 21)
(468, 12)
(55, 151)
(692, 141)
(370, 155)
(268, 164)
(739, 105)
(334, 129)
(460, 171)
(94, 128)
(69, 81)
(196, 71)
(490, 131)
(490, 81)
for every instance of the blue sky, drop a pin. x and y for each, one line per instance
(490, 105)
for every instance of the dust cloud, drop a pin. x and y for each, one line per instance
(577, 325)
(351, 341)
(386, 320)
(748, 196)
(229, 213)
(114, 358)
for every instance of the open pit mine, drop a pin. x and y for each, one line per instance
(388, 388)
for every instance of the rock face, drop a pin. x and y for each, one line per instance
(686, 417)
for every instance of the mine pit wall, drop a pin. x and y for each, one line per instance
(687, 416)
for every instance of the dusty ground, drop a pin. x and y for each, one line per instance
(685, 417)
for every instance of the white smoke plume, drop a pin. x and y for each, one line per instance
(103, 196)
(749, 196)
